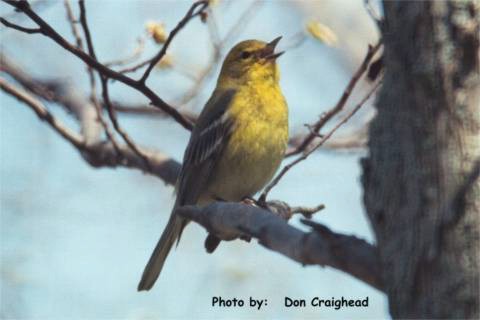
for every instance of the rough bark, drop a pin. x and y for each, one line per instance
(421, 187)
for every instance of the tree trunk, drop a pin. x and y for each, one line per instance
(421, 187)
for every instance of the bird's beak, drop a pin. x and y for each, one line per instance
(269, 51)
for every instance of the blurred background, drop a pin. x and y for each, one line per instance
(75, 239)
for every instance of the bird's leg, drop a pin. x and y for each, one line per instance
(249, 201)
(252, 202)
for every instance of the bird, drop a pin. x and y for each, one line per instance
(236, 145)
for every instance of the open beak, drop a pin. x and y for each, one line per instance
(269, 51)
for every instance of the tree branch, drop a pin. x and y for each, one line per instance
(93, 86)
(48, 90)
(145, 110)
(321, 246)
(355, 140)
(317, 126)
(96, 152)
(105, 94)
(305, 155)
(74, 138)
(116, 125)
(201, 5)
(218, 47)
(86, 29)
(48, 31)
(137, 52)
(6, 23)
(71, 19)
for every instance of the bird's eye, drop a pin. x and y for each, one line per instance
(246, 55)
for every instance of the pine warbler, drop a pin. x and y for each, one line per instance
(236, 145)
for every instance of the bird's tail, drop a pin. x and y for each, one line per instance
(154, 266)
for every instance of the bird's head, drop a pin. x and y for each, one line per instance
(250, 61)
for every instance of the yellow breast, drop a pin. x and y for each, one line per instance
(256, 146)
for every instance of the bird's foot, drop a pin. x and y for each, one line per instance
(252, 202)
(249, 201)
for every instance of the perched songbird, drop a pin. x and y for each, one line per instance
(236, 146)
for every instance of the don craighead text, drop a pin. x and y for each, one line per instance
(335, 303)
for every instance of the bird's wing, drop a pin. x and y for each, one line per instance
(210, 134)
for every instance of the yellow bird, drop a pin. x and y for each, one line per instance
(236, 146)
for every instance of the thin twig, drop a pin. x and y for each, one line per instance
(40, 88)
(185, 71)
(216, 56)
(136, 66)
(73, 24)
(286, 212)
(106, 97)
(49, 90)
(43, 113)
(39, 5)
(93, 85)
(48, 31)
(192, 13)
(108, 132)
(137, 52)
(305, 155)
(213, 28)
(20, 28)
(142, 110)
(100, 154)
(307, 212)
(116, 125)
(372, 13)
(317, 126)
(91, 52)
(86, 29)
(241, 22)
(355, 140)
(60, 92)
